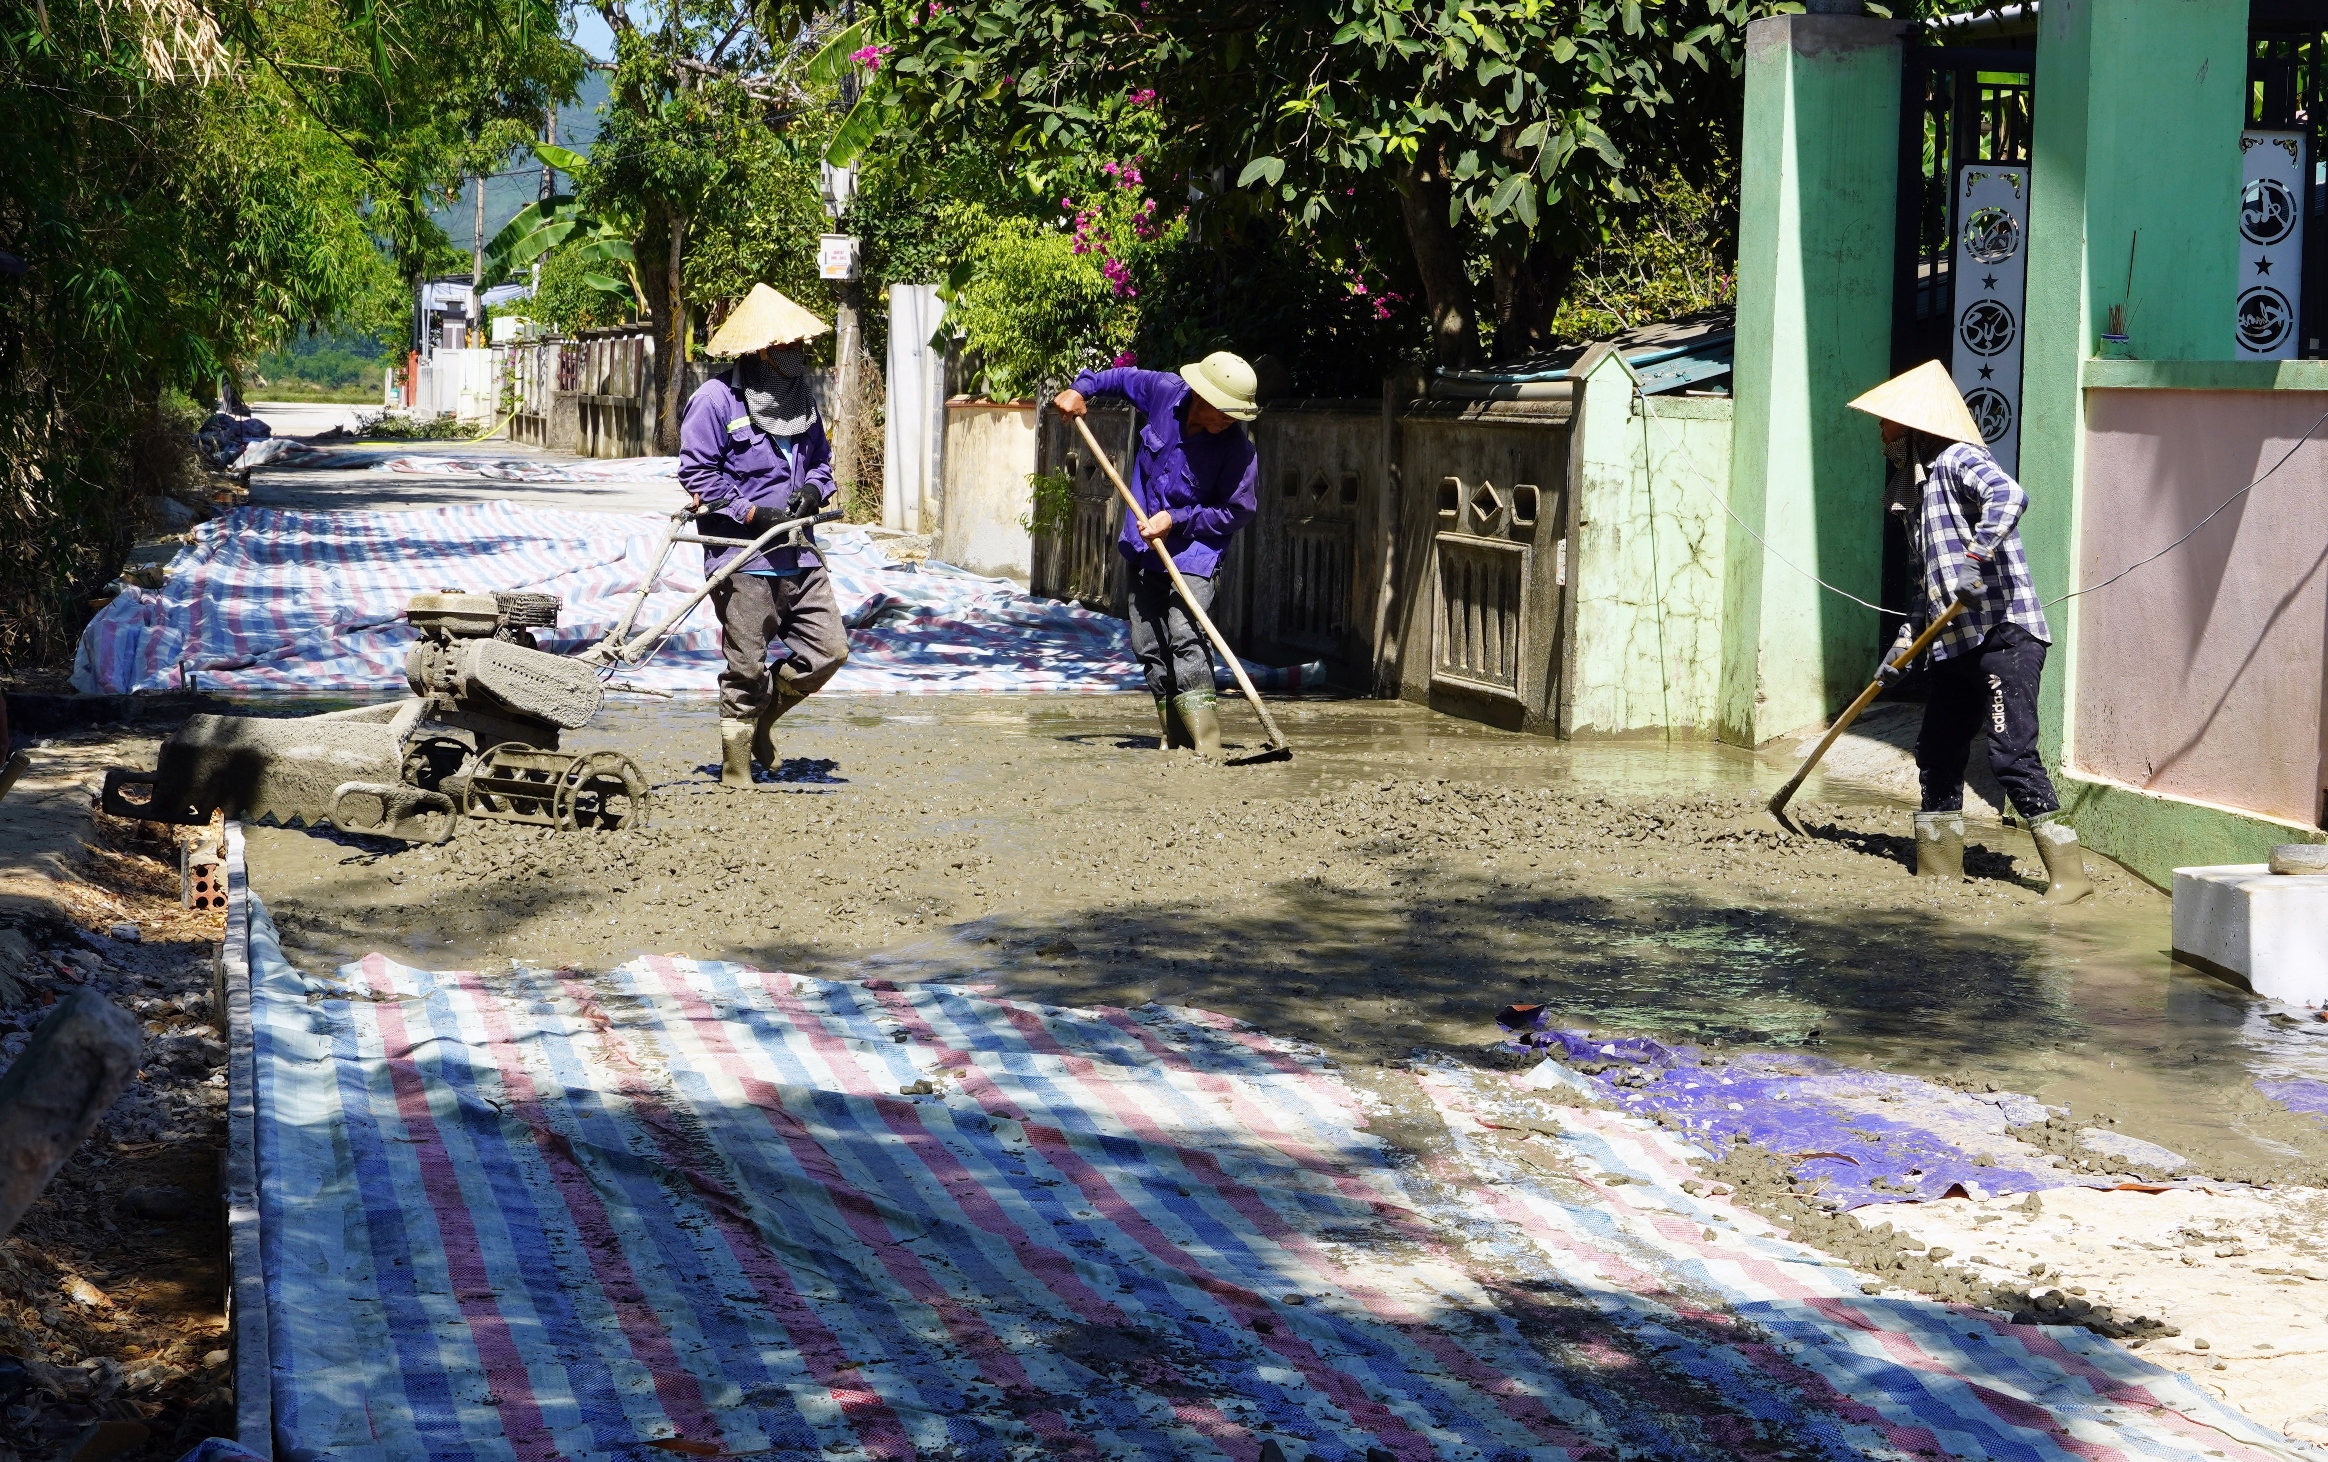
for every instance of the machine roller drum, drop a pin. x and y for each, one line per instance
(514, 782)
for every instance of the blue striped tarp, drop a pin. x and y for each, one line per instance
(689, 1208)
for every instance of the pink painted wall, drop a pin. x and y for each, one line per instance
(2201, 675)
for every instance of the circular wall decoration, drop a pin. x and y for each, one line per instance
(1992, 235)
(1987, 328)
(1991, 412)
(2265, 320)
(2267, 211)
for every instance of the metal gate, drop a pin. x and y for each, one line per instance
(2287, 90)
(1966, 115)
(1962, 105)
(1081, 563)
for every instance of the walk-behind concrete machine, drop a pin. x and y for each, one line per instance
(478, 737)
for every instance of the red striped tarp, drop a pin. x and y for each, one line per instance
(537, 1214)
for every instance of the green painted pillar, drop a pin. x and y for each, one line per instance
(1819, 173)
(2139, 108)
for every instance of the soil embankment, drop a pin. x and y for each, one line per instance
(112, 1294)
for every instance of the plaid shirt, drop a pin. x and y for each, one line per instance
(1954, 548)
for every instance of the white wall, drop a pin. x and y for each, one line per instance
(914, 428)
(990, 451)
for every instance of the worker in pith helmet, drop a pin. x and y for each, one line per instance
(1194, 474)
(1961, 513)
(752, 450)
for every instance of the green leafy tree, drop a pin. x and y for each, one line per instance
(689, 114)
(184, 188)
(1513, 133)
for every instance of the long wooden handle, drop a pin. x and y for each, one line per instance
(1236, 667)
(1785, 794)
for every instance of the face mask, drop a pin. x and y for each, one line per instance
(1896, 451)
(777, 399)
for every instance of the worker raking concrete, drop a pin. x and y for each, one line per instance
(752, 451)
(1194, 474)
(1962, 514)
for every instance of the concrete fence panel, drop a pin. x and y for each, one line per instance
(989, 455)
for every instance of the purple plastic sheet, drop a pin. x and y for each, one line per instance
(2298, 1095)
(1852, 1128)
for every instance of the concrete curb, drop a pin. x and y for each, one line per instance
(246, 1281)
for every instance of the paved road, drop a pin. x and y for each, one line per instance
(366, 487)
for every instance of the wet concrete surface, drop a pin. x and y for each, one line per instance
(1395, 884)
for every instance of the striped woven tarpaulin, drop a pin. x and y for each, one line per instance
(268, 601)
(538, 1214)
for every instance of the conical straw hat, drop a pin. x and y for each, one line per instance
(765, 318)
(1925, 400)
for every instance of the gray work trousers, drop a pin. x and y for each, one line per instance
(756, 612)
(1173, 650)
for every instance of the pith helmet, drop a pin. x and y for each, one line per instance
(765, 318)
(1227, 382)
(1925, 400)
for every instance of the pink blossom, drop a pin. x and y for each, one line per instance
(1143, 97)
(1128, 358)
(934, 11)
(869, 57)
(1118, 277)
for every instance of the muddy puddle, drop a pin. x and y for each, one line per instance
(1395, 884)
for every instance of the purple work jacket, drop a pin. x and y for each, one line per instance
(1205, 480)
(730, 463)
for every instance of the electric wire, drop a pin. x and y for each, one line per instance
(2309, 432)
(1650, 413)
(2203, 522)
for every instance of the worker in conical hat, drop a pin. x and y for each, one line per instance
(1962, 513)
(752, 454)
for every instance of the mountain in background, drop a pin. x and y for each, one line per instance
(520, 180)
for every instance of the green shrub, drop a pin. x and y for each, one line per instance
(1035, 311)
(1050, 503)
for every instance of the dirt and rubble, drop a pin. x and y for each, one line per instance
(112, 1320)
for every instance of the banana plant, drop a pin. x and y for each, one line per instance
(558, 221)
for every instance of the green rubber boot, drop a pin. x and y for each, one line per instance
(782, 697)
(2065, 871)
(1940, 845)
(735, 752)
(1200, 713)
(1171, 735)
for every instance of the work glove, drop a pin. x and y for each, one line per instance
(1968, 592)
(806, 501)
(759, 518)
(1887, 674)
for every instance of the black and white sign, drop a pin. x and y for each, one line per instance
(2271, 244)
(1991, 281)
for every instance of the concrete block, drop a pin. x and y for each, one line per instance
(2269, 930)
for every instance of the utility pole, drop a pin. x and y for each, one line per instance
(477, 254)
(549, 180)
(848, 328)
(550, 136)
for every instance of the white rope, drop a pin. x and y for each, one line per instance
(2311, 431)
(1651, 414)
(2203, 522)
